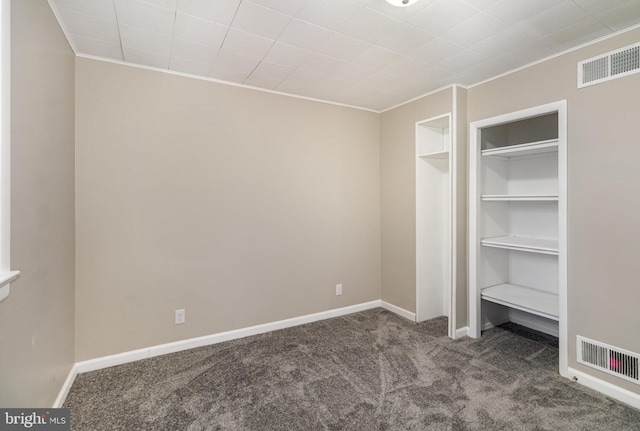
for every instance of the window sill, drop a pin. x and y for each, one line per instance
(5, 279)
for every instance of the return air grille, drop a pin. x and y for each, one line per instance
(609, 359)
(612, 65)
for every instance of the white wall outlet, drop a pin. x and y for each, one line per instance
(180, 316)
(338, 289)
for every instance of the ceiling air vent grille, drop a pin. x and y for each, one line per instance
(609, 359)
(612, 65)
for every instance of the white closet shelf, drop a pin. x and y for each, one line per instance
(435, 155)
(521, 198)
(530, 148)
(533, 301)
(519, 243)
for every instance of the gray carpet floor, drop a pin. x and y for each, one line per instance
(367, 371)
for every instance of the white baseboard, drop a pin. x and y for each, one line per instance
(617, 393)
(462, 332)
(66, 387)
(399, 311)
(177, 346)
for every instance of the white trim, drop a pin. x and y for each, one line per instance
(67, 33)
(437, 90)
(453, 216)
(462, 332)
(551, 57)
(6, 275)
(559, 107)
(177, 346)
(219, 81)
(399, 311)
(66, 387)
(609, 389)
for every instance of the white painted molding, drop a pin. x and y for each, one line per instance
(462, 332)
(399, 311)
(617, 393)
(177, 346)
(220, 81)
(66, 387)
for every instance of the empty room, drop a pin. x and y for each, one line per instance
(319, 215)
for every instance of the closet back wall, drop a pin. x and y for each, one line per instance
(242, 207)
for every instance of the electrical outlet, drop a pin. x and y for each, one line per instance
(180, 316)
(338, 289)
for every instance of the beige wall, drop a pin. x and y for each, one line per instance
(603, 180)
(37, 320)
(398, 194)
(242, 207)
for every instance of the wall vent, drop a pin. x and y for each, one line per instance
(612, 65)
(609, 359)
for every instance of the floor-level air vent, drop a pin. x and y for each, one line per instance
(612, 65)
(609, 359)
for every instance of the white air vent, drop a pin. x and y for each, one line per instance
(612, 65)
(609, 359)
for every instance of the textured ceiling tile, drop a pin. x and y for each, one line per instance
(406, 66)
(584, 31)
(305, 35)
(305, 77)
(143, 39)
(287, 55)
(369, 25)
(382, 80)
(377, 58)
(486, 70)
(343, 47)
(513, 11)
(97, 47)
(525, 54)
(247, 44)
(328, 13)
(261, 81)
(354, 72)
(198, 30)
(231, 60)
(90, 26)
(462, 61)
(400, 13)
(228, 74)
(167, 4)
(435, 51)
(289, 7)
(273, 71)
(98, 8)
(146, 58)
(323, 63)
(186, 65)
(145, 15)
(220, 11)
(405, 39)
(552, 20)
(260, 20)
(621, 16)
(194, 51)
(476, 28)
(442, 15)
(503, 42)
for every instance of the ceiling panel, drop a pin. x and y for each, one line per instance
(364, 53)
